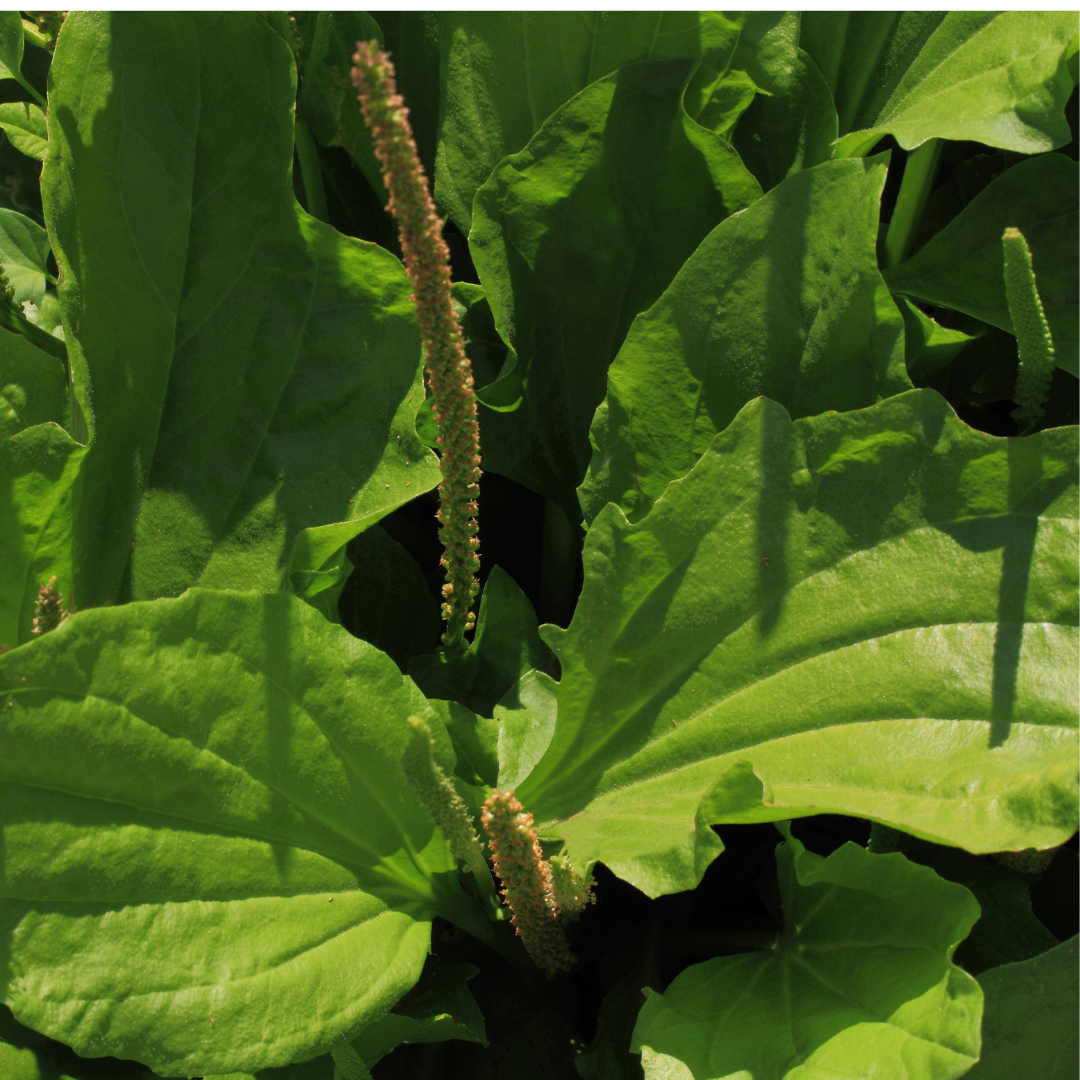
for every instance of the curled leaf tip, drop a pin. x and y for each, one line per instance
(449, 372)
(527, 881)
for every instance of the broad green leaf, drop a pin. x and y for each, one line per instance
(24, 250)
(790, 129)
(871, 613)
(11, 45)
(962, 267)
(24, 124)
(929, 346)
(998, 78)
(1029, 1022)
(205, 819)
(785, 300)
(507, 72)
(253, 373)
(505, 647)
(576, 235)
(860, 983)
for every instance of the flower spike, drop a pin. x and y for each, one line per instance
(526, 878)
(449, 372)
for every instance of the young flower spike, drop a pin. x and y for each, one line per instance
(49, 608)
(449, 373)
(526, 879)
(436, 794)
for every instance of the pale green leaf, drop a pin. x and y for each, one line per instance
(998, 78)
(784, 300)
(253, 373)
(24, 250)
(854, 613)
(860, 983)
(209, 839)
(25, 126)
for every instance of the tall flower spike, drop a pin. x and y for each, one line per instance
(449, 373)
(526, 879)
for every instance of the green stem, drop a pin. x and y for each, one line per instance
(26, 86)
(915, 188)
(17, 324)
(311, 171)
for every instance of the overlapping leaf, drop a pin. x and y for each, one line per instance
(998, 78)
(785, 300)
(212, 859)
(860, 983)
(962, 266)
(249, 371)
(870, 613)
(576, 235)
(507, 72)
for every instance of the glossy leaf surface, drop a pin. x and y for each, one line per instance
(962, 266)
(860, 983)
(576, 235)
(997, 78)
(783, 300)
(853, 613)
(250, 371)
(186, 785)
(1029, 1024)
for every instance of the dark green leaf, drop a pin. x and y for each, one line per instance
(386, 600)
(998, 78)
(327, 99)
(819, 617)
(928, 346)
(576, 235)
(253, 373)
(505, 647)
(791, 129)
(507, 72)
(205, 820)
(785, 300)
(860, 983)
(1029, 1022)
(962, 266)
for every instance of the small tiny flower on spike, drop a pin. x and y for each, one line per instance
(449, 373)
(570, 893)
(49, 609)
(526, 878)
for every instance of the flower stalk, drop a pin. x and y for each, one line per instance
(49, 610)
(449, 373)
(527, 881)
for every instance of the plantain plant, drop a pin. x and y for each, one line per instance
(750, 746)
